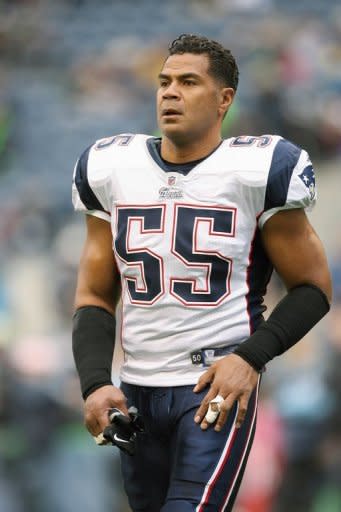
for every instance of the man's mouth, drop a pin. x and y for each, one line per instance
(168, 112)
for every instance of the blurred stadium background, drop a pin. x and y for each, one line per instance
(72, 71)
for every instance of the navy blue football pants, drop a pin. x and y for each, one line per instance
(177, 466)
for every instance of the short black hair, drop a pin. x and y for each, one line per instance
(223, 66)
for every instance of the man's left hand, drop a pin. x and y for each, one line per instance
(233, 379)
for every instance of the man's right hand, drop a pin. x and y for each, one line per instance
(97, 406)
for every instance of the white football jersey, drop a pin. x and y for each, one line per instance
(188, 246)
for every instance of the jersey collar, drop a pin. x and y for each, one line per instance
(154, 148)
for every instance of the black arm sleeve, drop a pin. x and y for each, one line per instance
(93, 340)
(291, 319)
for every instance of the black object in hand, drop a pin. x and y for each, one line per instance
(123, 430)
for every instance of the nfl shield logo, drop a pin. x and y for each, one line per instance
(171, 180)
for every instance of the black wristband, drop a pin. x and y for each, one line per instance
(291, 319)
(93, 341)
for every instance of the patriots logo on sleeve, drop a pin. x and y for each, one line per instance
(308, 178)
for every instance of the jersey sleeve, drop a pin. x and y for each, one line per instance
(290, 183)
(91, 187)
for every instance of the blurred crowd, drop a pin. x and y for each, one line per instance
(74, 71)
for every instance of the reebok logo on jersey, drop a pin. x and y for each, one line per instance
(170, 193)
(308, 178)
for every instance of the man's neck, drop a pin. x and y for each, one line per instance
(172, 152)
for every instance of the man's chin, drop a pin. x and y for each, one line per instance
(173, 131)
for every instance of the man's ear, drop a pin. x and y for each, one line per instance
(227, 96)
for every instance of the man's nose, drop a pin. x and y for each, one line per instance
(171, 91)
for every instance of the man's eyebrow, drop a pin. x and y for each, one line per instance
(183, 75)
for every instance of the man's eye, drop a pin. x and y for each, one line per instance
(189, 82)
(163, 84)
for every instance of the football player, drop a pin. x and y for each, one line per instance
(185, 229)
